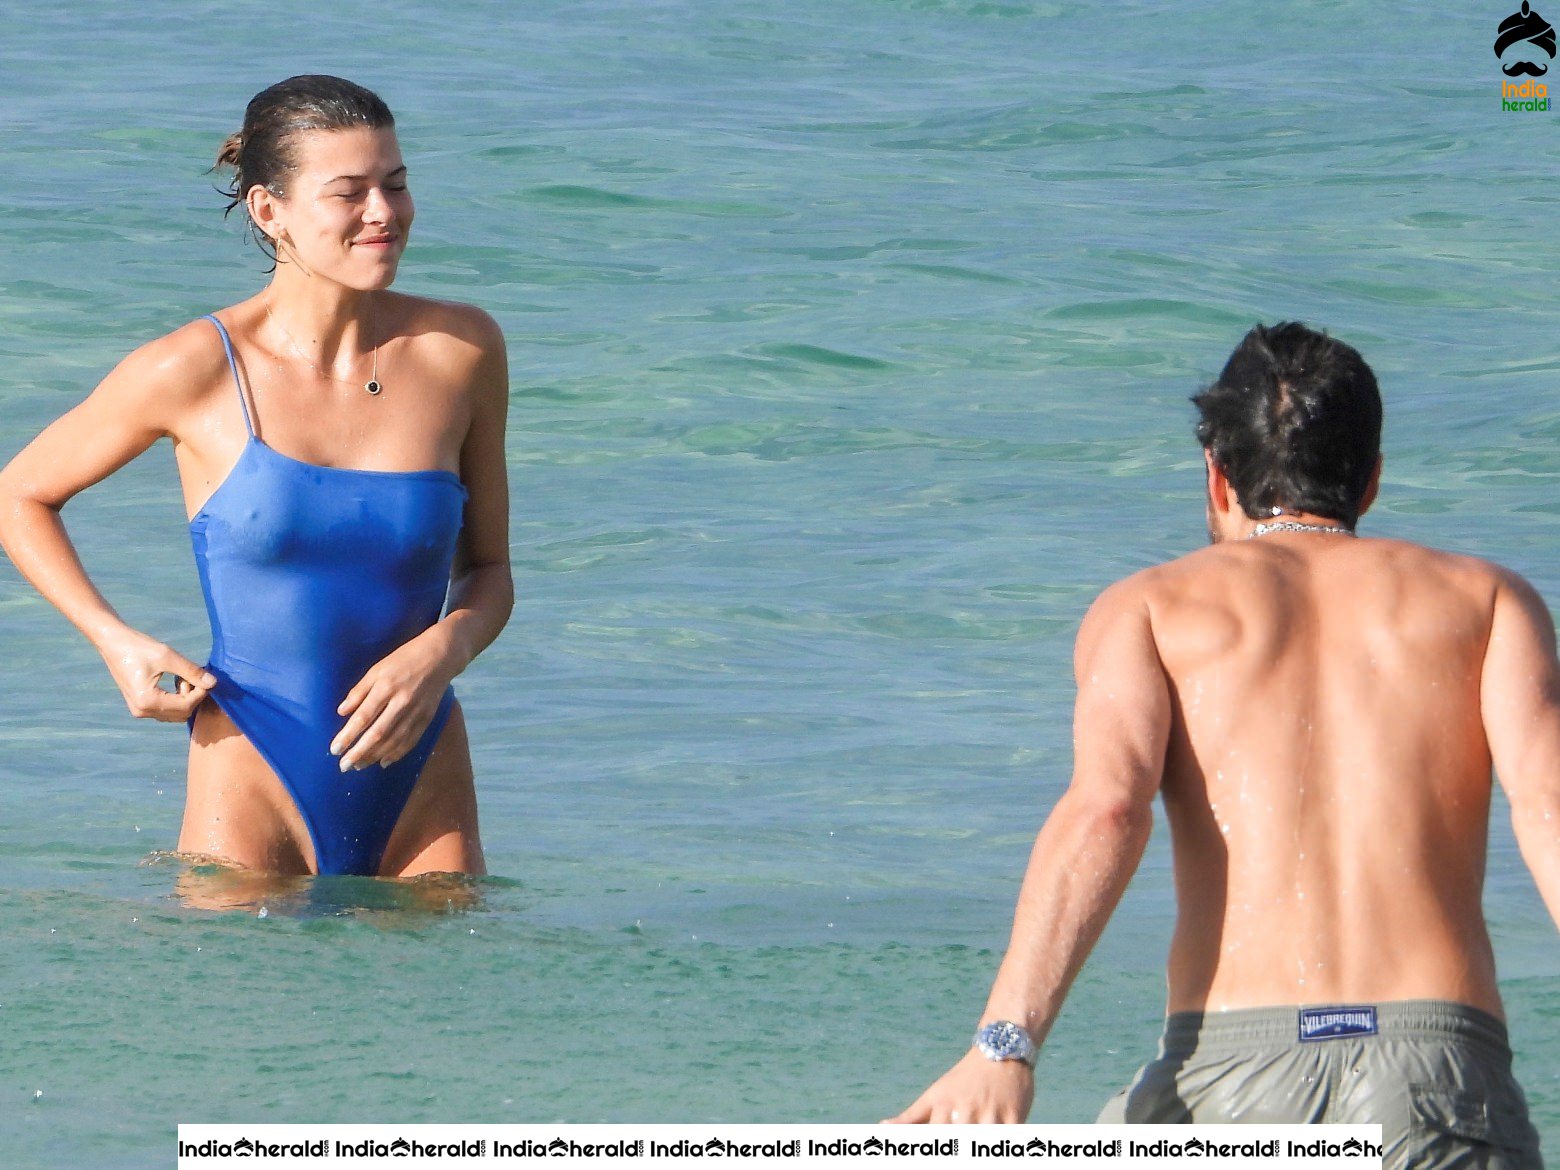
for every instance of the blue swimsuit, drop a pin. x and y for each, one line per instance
(312, 574)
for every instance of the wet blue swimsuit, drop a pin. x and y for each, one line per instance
(312, 574)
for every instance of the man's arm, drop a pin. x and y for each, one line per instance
(1083, 858)
(1520, 702)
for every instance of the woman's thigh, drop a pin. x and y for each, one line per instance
(236, 808)
(438, 832)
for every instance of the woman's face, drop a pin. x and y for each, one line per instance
(347, 211)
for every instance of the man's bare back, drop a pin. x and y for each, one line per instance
(1327, 776)
(1320, 715)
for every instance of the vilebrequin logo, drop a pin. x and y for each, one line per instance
(1332, 1023)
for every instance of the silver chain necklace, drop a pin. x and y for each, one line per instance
(1296, 526)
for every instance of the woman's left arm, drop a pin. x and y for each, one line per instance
(392, 705)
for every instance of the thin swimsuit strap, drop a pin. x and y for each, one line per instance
(227, 344)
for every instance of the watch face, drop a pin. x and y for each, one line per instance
(1003, 1040)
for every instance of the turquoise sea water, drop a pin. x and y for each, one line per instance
(851, 346)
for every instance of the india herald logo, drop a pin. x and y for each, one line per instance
(1525, 31)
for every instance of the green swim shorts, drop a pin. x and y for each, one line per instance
(1435, 1075)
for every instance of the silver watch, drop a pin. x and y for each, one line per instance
(1005, 1040)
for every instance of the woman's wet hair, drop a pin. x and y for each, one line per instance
(265, 152)
(1294, 422)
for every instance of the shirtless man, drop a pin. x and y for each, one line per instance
(1320, 714)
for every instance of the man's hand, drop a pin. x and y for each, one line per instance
(1084, 856)
(975, 1090)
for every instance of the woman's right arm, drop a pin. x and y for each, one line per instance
(137, 404)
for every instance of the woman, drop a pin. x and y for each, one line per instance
(340, 448)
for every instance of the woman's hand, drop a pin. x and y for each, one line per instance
(976, 1090)
(138, 664)
(391, 706)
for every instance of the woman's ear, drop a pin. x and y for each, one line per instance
(265, 212)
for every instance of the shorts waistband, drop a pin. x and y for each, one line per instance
(1185, 1032)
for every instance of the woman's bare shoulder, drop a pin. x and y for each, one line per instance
(450, 322)
(164, 378)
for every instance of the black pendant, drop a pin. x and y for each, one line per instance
(373, 386)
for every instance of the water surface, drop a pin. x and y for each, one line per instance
(851, 345)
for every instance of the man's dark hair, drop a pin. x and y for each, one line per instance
(1294, 422)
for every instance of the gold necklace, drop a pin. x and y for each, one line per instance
(373, 385)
